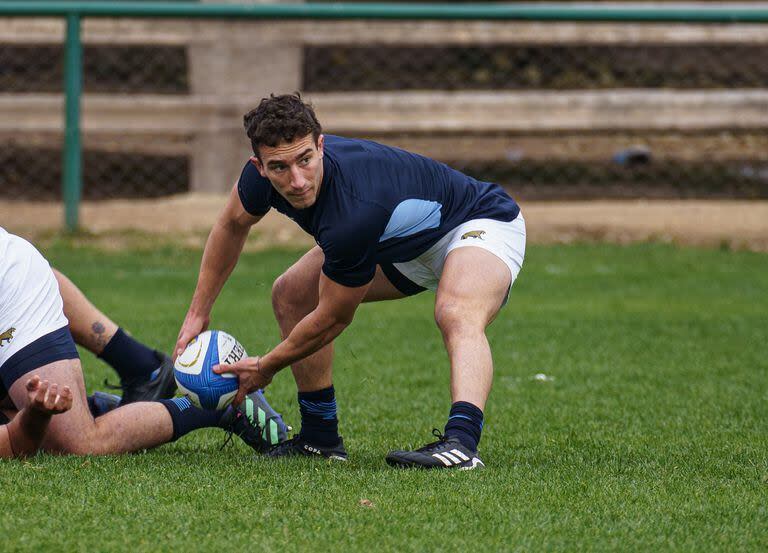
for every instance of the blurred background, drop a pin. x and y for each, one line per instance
(551, 110)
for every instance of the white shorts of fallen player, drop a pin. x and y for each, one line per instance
(30, 303)
(504, 240)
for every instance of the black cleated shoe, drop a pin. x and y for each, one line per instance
(298, 446)
(161, 384)
(445, 453)
(256, 423)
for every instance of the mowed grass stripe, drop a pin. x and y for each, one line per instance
(647, 432)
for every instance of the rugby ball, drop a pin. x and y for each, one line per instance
(194, 369)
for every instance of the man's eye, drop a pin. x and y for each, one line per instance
(305, 161)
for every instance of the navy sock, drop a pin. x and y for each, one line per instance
(465, 422)
(186, 417)
(132, 360)
(319, 425)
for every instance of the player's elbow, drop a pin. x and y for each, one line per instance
(336, 322)
(344, 320)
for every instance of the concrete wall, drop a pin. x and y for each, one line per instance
(234, 64)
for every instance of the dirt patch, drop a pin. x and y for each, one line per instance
(187, 219)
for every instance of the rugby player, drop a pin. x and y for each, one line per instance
(35, 339)
(388, 224)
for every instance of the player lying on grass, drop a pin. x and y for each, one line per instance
(21, 433)
(145, 374)
(388, 224)
(35, 338)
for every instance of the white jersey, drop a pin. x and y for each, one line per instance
(30, 302)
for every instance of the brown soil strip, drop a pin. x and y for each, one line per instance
(187, 219)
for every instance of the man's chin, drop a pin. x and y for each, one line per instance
(302, 203)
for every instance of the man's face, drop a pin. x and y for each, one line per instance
(295, 169)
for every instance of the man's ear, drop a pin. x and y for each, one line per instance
(259, 166)
(320, 144)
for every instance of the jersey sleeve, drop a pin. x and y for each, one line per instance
(350, 248)
(254, 191)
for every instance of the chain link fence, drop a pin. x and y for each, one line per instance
(141, 65)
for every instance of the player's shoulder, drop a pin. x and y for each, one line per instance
(358, 151)
(371, 165)
(254, 191)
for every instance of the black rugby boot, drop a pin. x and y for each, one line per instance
(256, 423)
(299, 446)
(160, 385)
(445, 453)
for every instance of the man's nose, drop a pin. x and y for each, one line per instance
(297, 179)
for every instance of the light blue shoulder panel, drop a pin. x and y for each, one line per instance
(412, 216)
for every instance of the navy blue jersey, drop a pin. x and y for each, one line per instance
(379, 204)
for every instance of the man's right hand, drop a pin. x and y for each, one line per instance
(193, 325)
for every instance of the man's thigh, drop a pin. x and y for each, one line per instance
(305, 275)
(66, 428)
(475, 282)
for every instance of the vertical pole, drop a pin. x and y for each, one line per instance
(73, 87)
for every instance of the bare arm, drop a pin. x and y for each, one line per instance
(23, 435)
(222, 250)
(335, 310)
(6, 451)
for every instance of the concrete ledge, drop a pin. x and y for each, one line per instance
(542, 111)
(357, 113)
(393, 33)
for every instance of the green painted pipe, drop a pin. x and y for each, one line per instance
(539, 12)
(73, 87)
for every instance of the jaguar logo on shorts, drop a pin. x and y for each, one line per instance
(473, 234)
(7, 336)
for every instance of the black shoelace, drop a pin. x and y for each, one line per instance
(434, 445)
(264, 445)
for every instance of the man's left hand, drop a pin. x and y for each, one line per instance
(251, 376)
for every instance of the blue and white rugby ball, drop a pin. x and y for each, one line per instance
(194, 374)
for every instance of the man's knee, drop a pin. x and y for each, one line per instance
(291, 298)
(453, 317)
(73, 434)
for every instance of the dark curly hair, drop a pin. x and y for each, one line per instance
(279, 119)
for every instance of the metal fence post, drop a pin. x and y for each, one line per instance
(73, 85)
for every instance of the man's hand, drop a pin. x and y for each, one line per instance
(26, 431)
(251, 376)
(45, 398)
(193, 325)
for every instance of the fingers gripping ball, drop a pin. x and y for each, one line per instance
(194, 374)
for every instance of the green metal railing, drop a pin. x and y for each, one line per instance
(74, 11)
(539, 12)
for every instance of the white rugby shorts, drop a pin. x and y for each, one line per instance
(505, 240)
(30, 303)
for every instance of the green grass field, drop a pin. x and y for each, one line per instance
(651, 434)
